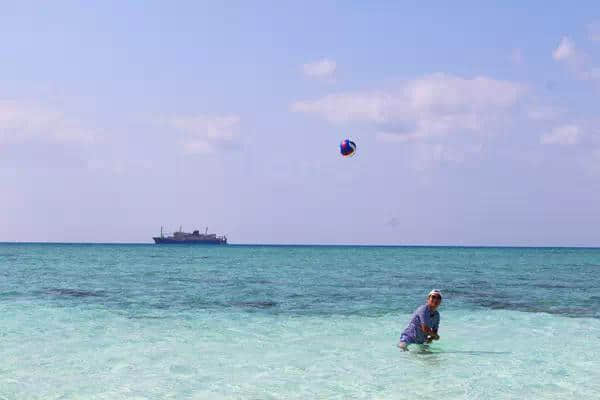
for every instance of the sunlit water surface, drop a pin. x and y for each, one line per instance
(260, 322)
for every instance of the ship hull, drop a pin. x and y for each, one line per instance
(159, 240)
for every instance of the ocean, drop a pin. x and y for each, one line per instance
(95, 321)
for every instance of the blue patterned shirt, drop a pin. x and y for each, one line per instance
(423, 315)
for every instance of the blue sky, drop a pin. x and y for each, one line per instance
(475, 124)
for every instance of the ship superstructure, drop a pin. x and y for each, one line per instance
(181, 237)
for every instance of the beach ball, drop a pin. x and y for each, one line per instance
(347, 148)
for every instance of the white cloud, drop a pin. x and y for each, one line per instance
(321, 69)
(24, 122)
(434, 105)
(394, 137)
(346, 107)
(565, 50)
(577, 61)
(446, 118)
(538, 112)
(206, 133)
(563, 135)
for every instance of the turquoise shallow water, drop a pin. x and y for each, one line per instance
(152, 322)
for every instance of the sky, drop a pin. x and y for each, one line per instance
(475, 124)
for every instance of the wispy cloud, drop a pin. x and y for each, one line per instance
(206, 133)
(21, 122)
(322, 69)
(569, 134)
(565, 50)
(541, 112)
(447, 117)
(433, 105)
(576, 60)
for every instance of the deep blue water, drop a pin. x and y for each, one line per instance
(141, 279)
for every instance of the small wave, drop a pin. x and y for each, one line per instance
(256, 304)
(75, 292)
(567, 311)
(558, 286)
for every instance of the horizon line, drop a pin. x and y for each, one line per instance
(515, 246)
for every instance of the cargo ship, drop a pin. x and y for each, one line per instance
(195, 237)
